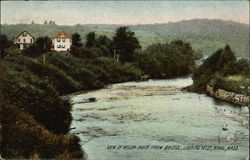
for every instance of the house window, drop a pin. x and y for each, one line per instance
(58, 40)
(58, 46)
(24, 40)
(63, 46)
(31, 41)
(18, 39)
(63, 40)
(24, 34)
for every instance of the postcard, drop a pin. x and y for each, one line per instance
(124, 80)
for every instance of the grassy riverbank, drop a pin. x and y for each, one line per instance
(222, 71)
(35, 119)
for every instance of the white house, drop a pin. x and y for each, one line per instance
(62, 41)
(24, 40)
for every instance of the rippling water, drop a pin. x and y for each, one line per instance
(157, 113)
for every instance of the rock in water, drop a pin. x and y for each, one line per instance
(92, 99)
(225, 129)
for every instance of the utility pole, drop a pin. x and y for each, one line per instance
(117, 57)
(44, 58)
(114, 53)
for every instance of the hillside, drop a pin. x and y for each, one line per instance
(203, 34)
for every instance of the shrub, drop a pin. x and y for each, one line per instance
(38, 97)
(34, 119)
(167, 60)
(63, 83)
(22, 137)
(216, 68)
(236, 83)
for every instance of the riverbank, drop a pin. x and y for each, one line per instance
(238, 99)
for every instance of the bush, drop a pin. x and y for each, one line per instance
(34, 119)
(236, 83)
(78, 69)
(115, 71)
(167, 60)
(63, 83)
(33, 51)
(84, 53)
(216, 68)
(37, 97)
(41, 46)
(94, 73)
(22, 137)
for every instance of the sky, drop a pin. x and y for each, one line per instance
(121, 12)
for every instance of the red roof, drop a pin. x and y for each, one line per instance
(62, 34)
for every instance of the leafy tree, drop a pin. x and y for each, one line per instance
(90, 40)
(240, 66)
(44, 42)
(125, 43)
(221, 63)
(45, 22)
(5, 43)
(226, 56)
(83, 53)
(76, 40)
(41, 45)
(103, 40)
(50, 22)
(198, 55)
(168, 60)
(105, 45)
(94, 46)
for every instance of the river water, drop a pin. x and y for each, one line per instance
(156, 120)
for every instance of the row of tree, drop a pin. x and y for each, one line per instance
(124, 43)
(218, 66)
(158, 60)
(46, 22)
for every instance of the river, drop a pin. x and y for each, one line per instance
(156, 120)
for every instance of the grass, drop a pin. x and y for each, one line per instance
(235, 83)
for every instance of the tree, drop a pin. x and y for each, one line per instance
(227, 56)
(90, 40)
(103, 40)
(168, 60)
(44, 42)
(50, 22)
(41, 45)
(105, 45)
(125, 43)
(76, 40)
(222, 62)
(5, 43)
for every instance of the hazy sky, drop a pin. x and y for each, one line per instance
(121, 12)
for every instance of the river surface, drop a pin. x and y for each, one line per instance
(156, 120)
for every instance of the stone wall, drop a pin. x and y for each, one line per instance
(224, 95)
